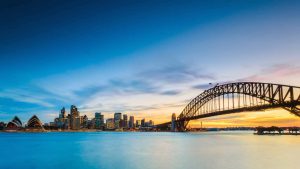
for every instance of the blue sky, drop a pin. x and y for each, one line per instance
(142, 57)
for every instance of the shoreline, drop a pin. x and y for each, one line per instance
(92, 130)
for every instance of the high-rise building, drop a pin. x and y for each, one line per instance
(151, 123)
(99, 120)
(173, 122)
(110, 124)
(91, 124)
(118, 116)
(74, 111)
(76, 123)
(57, 122)
(75, 118)
(125, 121)
(84, 121)
(68, 122)
(117, 120)
(63, 113)
(143, 122)
(60, 121)
(131, 122)
(138, 123)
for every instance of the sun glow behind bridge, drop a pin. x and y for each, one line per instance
(238, 97)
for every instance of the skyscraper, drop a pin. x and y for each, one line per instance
(99, 120)
(118, 116)
(151, 123)
(131, 122)
(117, 119)
(143, 122)
(60, 121)
(75, 118)
(125, 121)
(84, 121)
(62, 113)
(138, 123)
(110, 124)
(74, 112)
(173, 122)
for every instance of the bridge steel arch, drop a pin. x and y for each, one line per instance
(270, 96)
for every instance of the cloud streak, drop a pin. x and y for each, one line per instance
(276, 71)
(26, 96)
(176, 74)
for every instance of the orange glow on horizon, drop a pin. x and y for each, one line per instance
(274, 117)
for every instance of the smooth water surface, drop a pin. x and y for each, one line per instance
(142, 150)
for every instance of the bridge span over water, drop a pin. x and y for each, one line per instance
(238, 97)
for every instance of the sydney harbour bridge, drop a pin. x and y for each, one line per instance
(238, 97)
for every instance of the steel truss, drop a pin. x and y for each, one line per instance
(240, 97)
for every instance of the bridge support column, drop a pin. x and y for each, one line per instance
(181, 126)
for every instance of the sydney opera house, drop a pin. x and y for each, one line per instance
(14, 124)
(33, 124)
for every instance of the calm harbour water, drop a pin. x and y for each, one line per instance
(137, 150)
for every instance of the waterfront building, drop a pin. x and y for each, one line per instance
(91, 124)
(99, 120)
(62, 113)
(131, 122)
(110, 124)
(138, 123)
(143, 122)
(118, 116)
(117, 120)
(84, 121)
(67, 124)
(14, 124)
(52, 124)
(150, 123)
(2, 125)
(173, 122)
(57, 122)
(76, 123)
(62, 121)
(34, 123)
(75, 118)
(125, 121)
(74, 111)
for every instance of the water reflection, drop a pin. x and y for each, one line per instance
(212, 150)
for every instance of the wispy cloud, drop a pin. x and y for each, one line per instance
(132, 91)
(277, 71)
(26, 96)
(144, 91)
(179, 73)
(171, 92)
(202, 86)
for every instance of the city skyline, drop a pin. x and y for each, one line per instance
(73, 120)
(146, 59)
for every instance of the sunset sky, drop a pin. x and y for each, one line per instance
(143, 58)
